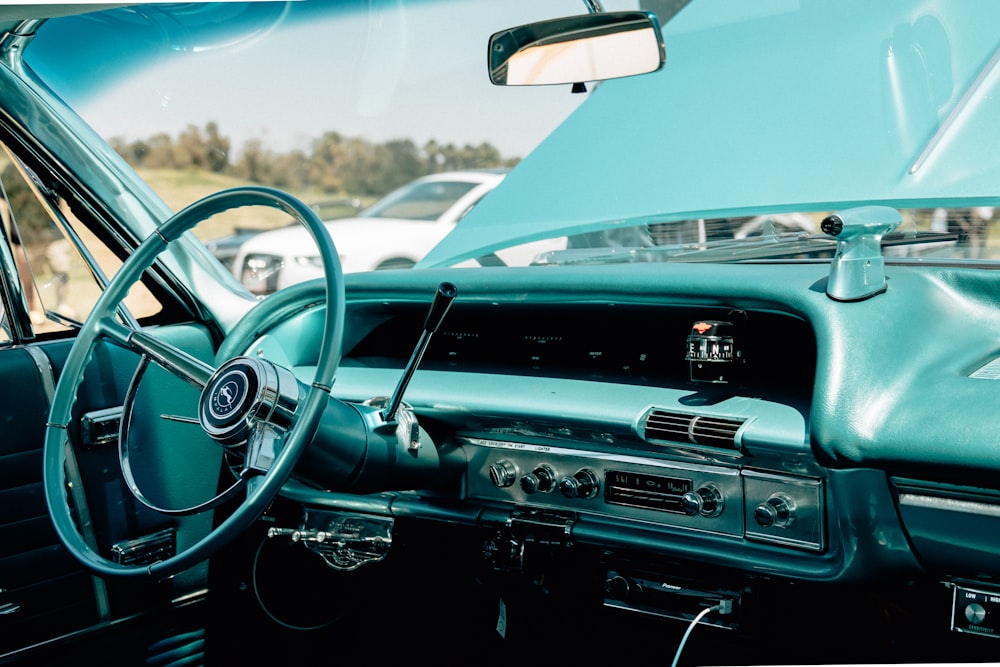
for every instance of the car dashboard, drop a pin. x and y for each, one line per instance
(706, 430)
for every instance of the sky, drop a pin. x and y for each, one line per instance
(416, 72)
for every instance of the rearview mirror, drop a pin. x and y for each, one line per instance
(589, 47)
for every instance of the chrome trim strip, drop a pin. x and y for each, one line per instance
(949, 504)
(44, 371)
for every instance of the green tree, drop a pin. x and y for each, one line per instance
(161, 152)
(216, 149)
(326, 158)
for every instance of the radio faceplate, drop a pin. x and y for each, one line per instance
(705, 498)
(712, 498)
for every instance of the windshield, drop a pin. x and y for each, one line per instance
(726, 147)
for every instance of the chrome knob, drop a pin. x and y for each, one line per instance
(539, 480)
(706, 501)
(712, 500)
(583, 484)
(503, 474)
(691, 503)
(777, 511)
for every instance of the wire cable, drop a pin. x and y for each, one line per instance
(697, 619)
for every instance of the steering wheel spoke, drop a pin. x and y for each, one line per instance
(188, 368)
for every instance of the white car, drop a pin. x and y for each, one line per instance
(394, 232)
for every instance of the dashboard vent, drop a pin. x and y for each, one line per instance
(701, 430)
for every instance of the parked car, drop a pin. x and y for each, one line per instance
(225, 248)
(657, 443)
(395, 232)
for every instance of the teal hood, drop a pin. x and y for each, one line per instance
(769, 105)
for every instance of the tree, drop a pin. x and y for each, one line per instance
(253, 162)
(334, 164)
(161, 152)
(216, 149)
(325, 160)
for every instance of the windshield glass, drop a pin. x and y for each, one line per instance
(329, 100)
(727, 153)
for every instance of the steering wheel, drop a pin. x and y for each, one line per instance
(243, 400)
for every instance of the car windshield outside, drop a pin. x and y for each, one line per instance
(488, 331)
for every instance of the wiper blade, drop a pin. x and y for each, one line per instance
(776, 246)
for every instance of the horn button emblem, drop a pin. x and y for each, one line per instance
(245, 392)
(228, 395)
(229, 400)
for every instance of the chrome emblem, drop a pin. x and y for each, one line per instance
(229, 394)
(226, 397)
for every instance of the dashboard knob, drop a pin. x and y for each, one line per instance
(777, 511)
(712, 500)
(539, 480)
(706, 501)
(503, 474)
(583, 484)
(691, 503)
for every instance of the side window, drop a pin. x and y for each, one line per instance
(59, 262)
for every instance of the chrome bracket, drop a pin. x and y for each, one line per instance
(344, 540)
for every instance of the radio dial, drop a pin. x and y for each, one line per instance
(539, 480)
(503, 474)
(691, 503)
(584, 484)
(706, 501)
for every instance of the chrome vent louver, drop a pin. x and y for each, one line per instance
(706, 431)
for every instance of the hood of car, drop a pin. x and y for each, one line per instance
(864, 103)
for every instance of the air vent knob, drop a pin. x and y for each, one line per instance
(584, 484)
(539, 480)
(777, 511)
(503, 474)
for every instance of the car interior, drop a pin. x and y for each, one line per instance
(775, 461)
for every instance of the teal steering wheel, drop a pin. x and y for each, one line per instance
(238, 401)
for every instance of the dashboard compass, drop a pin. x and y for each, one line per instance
(712, 354)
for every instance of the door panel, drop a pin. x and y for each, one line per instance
(45, 592)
